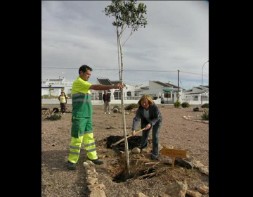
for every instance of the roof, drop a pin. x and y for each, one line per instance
(144, 88)
(104, 81)
(197, 90)
(165, 84)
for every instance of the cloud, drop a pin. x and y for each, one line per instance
(78, 32)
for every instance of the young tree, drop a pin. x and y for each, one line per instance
(127, 14)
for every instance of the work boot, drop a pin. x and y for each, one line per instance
(154, 157)
(96, 161)
(144, 149)
(71, 166)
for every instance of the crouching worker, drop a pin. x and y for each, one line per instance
(150, 117)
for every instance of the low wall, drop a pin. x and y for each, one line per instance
(95, 102)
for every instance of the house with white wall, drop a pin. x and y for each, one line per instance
(162, 93)
(197, 95)
(53, 87)
(166, 92)
(130, 92)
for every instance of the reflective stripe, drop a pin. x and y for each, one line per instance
(78, 95)
(81, 98)
(90, 144)
(91, 150)
(74, 150)
(74, 147)
(88, 141)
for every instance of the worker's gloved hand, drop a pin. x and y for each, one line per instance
(133, 132)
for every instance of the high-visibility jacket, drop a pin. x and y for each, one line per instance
(81, 107)
(81, 131)
(63, 99)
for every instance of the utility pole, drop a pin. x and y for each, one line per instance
(202, 71)
(202, 81)
(178, 85)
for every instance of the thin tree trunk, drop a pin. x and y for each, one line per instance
(118, 44)
(123, 113)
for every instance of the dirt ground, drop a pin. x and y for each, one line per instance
(179, 130)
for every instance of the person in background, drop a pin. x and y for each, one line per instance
(107, 100)
(63, 101)
(151, 119)
(82, 127)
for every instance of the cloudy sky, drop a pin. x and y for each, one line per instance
(176, 38)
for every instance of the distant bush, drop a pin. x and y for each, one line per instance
(185, 105)
(56, 110)
(196, 109)
(54, 117)
(177, 104)
(131, 106)
(206, 105)
(205, 115)
(115, 109)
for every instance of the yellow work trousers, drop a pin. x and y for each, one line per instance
(89, 146)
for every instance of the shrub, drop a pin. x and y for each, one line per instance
(56, 110)
(206, 105)
(177, 104)
(115, 109)
(185, 104)
(54, 117)
(205, 115)
(131, 106)
(196, 109)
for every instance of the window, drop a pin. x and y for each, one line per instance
(117, 95)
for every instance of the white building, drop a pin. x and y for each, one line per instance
(162, 93)
(196, 95)
(53, 87)
(167, 92)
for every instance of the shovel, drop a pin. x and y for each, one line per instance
(114, 144)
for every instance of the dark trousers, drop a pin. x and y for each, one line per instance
(155, 137)
(63, 107)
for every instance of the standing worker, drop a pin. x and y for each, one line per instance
(63, 101)
(107, 100)
(150, 117)
(82, 130)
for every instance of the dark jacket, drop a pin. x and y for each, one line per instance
(155, 117)
(106, 97)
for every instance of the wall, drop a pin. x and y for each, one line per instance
(95, 102)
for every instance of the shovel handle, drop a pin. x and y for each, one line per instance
(126, 137)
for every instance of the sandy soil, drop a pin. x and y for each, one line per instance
(176, 131)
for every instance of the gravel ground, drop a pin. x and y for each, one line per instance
(177, 131)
